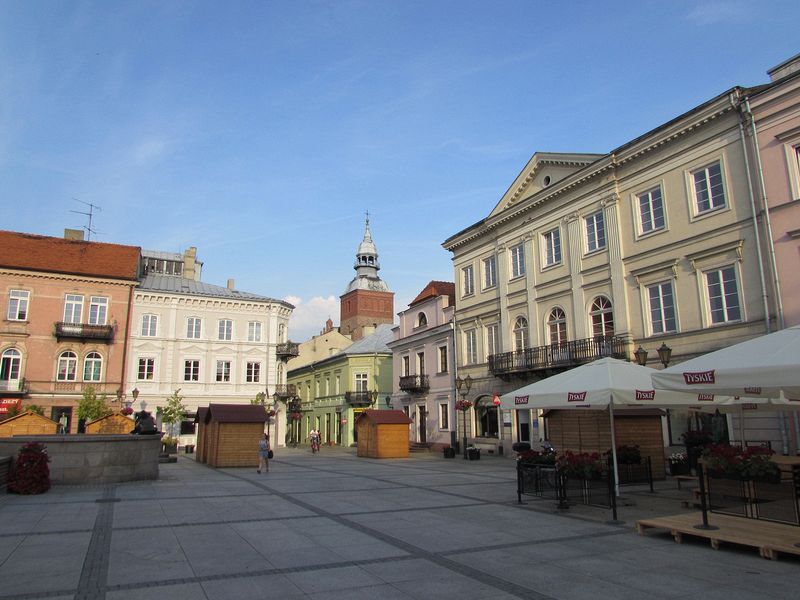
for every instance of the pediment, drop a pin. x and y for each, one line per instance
(544, 170)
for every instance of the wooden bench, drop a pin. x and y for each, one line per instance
(770, 538)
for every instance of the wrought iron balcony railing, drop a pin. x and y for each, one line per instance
(287, 350)
(558, 356)
(284, 390)
(414, 384)
(360, 398)
(84, 332)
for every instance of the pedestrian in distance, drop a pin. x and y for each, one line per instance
(263, 454)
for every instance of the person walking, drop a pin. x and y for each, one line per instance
(263, 454)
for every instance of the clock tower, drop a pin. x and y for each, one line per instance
(367, 301)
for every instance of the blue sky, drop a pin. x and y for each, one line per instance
(261, 132)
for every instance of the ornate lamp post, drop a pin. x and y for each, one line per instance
(295, 416)
(641, 357)
(664, 354)
(463, 386)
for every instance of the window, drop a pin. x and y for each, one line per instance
(223, 370)
(552, 248)
(492, 339)
(662, 307)
(253, 331)
(651, 210)
(406, 366)
(470, 347)
(253, 372)
(67, 366)
(557, 325)
(489, 272)
(194, 327)
(443, 367)
(281, 333)
(225, 329)
(517, 261)
(98, 308)
(468, 278)
(602, 317)
(191, 370)
(723, 295)
(18, 305)
(520, 334)
(149, 325)
(147, 367)
(595, 232)
(422, 320)
(92, 367)
(9, 368)
(361, 381)
(444, 416)
(73, 308)
(708, 191)
(487, 421)
(420, 363)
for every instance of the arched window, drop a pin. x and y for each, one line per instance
(281, 333)
(520, 334)
(92, 367)
(9, 367)
(557, 325)
(422, 320)
(602, 317)
(67, 366)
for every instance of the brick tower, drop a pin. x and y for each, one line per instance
(367, 301)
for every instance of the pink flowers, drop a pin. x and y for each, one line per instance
(463, 405)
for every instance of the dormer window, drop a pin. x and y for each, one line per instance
(422, 320)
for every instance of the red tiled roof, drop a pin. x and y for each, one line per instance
(435, 289)
(385, 416)
(235, 413)
(57, 255)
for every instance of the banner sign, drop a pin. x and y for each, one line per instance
(7, 404)
(699, 377)
(521, 399)
(576, 396)
(645, 394)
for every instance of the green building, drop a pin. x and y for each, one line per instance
(329, 394)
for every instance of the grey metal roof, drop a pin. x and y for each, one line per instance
(190, 287)
(375, 342)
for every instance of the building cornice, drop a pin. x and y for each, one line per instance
(68, 277)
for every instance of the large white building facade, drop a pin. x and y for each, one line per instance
(216, 344)
(657, 243)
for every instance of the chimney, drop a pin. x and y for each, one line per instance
(230, 284)
(73, 234)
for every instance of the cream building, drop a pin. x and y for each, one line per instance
(216, 344)
(587, 256)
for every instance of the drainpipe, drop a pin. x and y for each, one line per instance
(127, 337)
(454, 432)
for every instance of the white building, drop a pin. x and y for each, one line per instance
(216, 344)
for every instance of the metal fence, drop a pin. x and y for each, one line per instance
(551, 483)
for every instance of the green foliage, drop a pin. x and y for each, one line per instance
(91, 406)
(39, 410)
(259, 399)
(174, 412)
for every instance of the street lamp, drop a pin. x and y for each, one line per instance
(463, 386)
(664, 354)
(641, 357)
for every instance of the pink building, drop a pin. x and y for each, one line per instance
(776, 112)
(67, 309)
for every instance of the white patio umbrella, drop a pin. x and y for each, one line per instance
(607, 382)
(764, 367)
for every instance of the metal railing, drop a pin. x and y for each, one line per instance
(568, 354)
(84, 331)
(359, 398)
(287, 350)
(414, 383)
(13, 386)
(284, 390)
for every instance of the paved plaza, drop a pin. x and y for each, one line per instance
(333, 526)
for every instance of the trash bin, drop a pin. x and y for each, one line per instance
(189, 448)
(474, 453)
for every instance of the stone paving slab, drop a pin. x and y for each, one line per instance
(333, 526)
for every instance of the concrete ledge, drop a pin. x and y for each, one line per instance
(87, 459)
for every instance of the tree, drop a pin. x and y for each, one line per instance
(91, 406)
(39, 410)
(174, 411)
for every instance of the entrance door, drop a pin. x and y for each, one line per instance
(423, 425)
(523, 426)
(57, 413)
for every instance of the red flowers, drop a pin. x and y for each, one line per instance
(585, 465)
(463, 405)
(30, 473)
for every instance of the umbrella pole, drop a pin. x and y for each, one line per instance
(613, 447)
(741, 424)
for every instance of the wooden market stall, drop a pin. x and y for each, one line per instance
(233, 433)
(201, 431)
(589, 431)
(383, 434)
(116, 423)
(28, 423)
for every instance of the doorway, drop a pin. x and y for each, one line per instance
(523, 426)
(423, 424)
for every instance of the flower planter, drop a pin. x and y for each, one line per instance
(681, 468)
(473, 453)
(449, 452)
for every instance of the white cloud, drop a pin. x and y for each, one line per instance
(149, 150)
(308, 317)
(712, 13)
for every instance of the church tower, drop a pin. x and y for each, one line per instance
(367, 301)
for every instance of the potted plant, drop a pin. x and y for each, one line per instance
(535, 457)
(628, 455)
(678, 463)
(174, 412)
(169, 444)
(582, 465)
(30, 473)
(733, 462)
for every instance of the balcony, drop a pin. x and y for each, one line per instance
(414, 384)
(557, 357)
(13, 387)
(287, 350)
(284, 391)
(361, 399)
(84, 332)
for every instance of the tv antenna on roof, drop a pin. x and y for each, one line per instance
(90, 214)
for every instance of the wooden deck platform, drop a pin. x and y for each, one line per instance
(769, 538)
